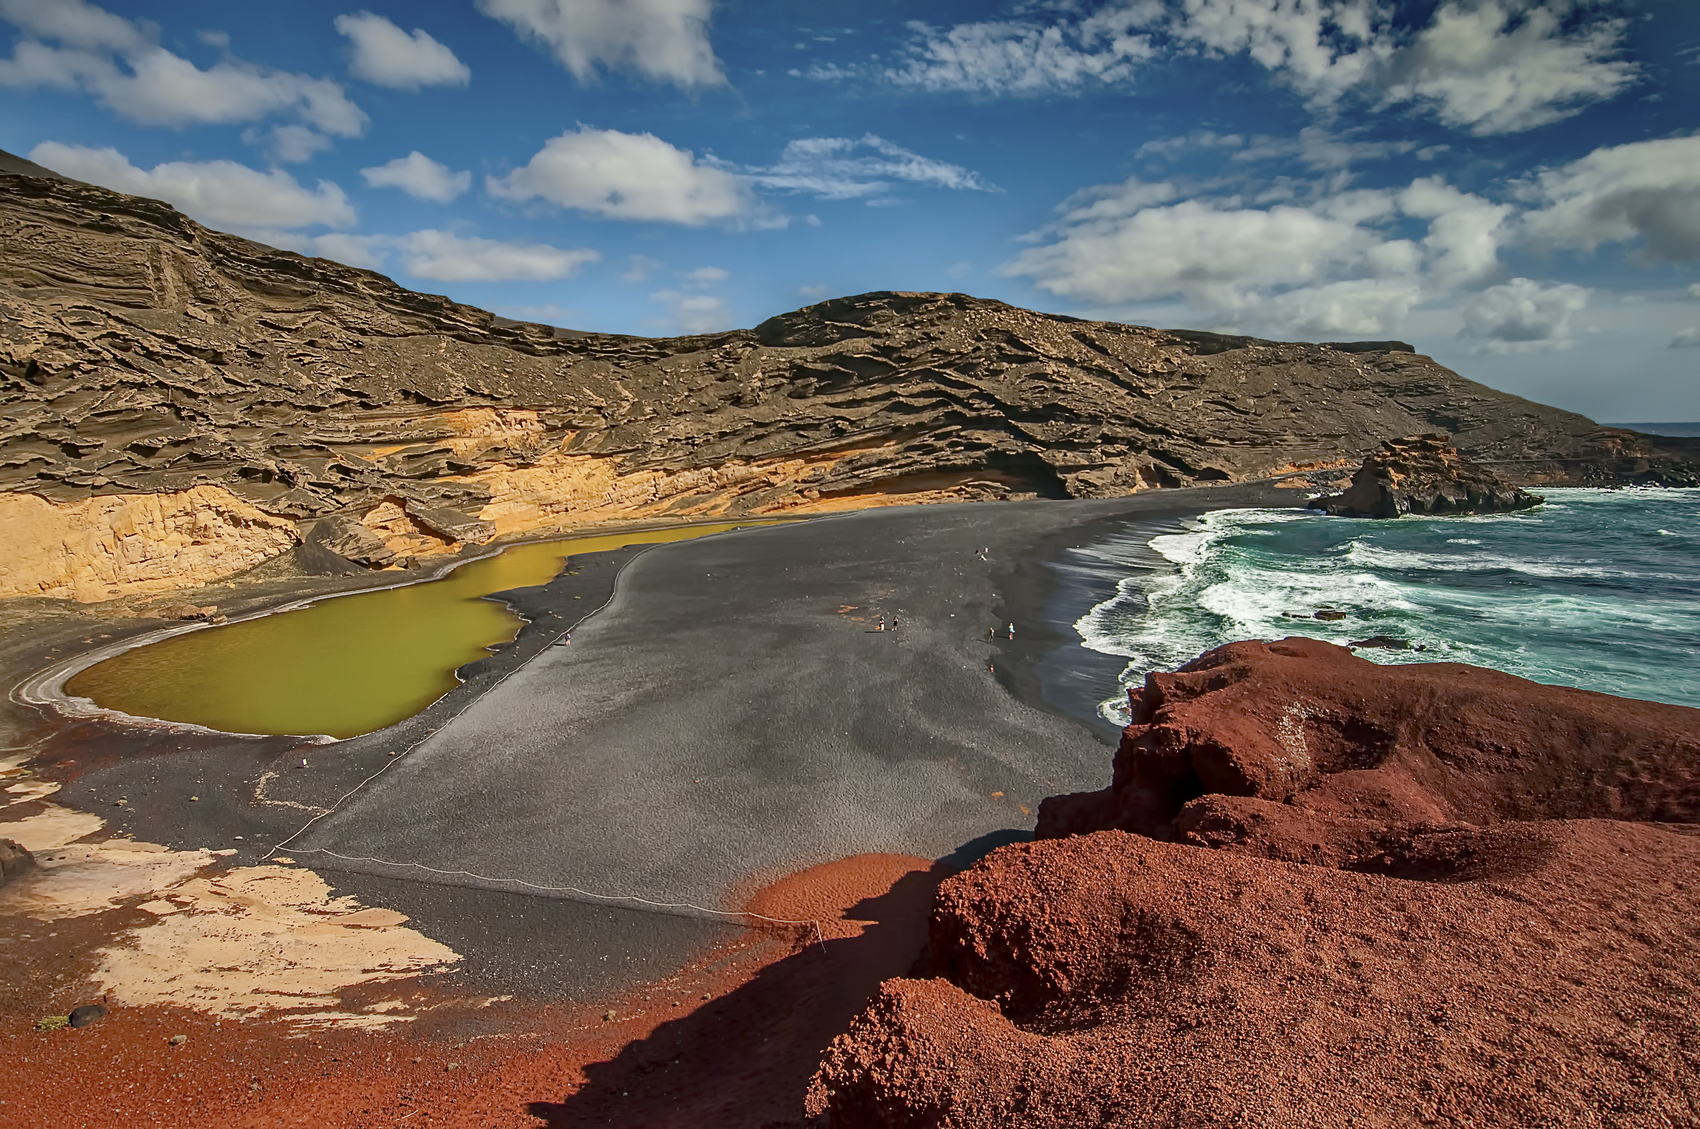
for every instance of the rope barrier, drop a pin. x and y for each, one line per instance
(578, 890)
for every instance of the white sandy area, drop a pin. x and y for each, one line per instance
(256, 941)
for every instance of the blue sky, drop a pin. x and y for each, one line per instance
(1511, 185)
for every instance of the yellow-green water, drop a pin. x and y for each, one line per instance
(345, 666)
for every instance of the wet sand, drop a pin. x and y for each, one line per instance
(728, 718)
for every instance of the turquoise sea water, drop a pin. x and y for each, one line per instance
(1596, 588)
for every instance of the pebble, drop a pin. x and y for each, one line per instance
(178, 1040)
(608, 1016)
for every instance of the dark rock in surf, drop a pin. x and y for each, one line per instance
(1422, 474)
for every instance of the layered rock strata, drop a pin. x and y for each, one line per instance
(143, 354)
(1422, 474)
(1356, 895)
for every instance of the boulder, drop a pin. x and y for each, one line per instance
(344, 535)
(14, 860)
(1422, 474)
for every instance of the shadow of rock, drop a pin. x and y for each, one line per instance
(744, 1060)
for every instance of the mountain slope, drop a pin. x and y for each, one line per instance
(244, 396)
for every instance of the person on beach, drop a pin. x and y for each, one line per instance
(1012, 631)
(881, 625)
(894, 621)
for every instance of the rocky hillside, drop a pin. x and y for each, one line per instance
(180, 403)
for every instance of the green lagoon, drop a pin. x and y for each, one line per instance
(346, 665)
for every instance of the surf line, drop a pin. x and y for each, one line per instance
(391, 762)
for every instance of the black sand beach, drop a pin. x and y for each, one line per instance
(730, 715)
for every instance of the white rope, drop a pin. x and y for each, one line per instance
(578, 890)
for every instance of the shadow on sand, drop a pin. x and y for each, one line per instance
(744, 1060)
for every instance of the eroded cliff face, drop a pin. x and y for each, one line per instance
(106, 547)
(142, 354)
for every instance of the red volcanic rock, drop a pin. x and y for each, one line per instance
(1362, 896)
(1114, 980)
(1309, 724)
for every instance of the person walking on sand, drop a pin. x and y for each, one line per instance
(881, 625)
(1012, 631)
(894, 621)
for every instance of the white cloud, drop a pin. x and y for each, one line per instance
(639, 268)
(842, 168)
(663, 40)
(365, 251)
(223, 194)
(695, 313)
(1485, 66)
(1504, 66)
(1694, 291)
(1321, 149)
(1686, 339)
(1338, 264)
(1522, 315)
(629, 176)
(546, 314)
(385, 55)
(1018, 57)
(420, 177)
(705, 276)
(292, 144)
(445, 257)
(158, 87)
(1168, 148)
(1647, 190)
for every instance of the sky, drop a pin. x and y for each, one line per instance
(1513, 186)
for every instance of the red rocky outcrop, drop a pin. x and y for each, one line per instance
(1359, 895)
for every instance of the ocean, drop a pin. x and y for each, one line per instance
(1596, 588)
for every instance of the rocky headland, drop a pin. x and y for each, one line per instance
(182, 404)
(1422, 474)
(1320, 892)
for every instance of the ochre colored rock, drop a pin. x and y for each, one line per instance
(1363, 895)
(122, 545)
(14, 860)
(1422, 474)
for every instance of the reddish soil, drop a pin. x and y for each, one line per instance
(1366, 914)
(730, 1041)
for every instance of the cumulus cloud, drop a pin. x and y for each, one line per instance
(1646, 190)
(155, 86)
(446, 257)
(1342, 263)
(663, 40)
(843, 168)
(705, 276)
(385, 55)
(1686, 339)
(1484, 66)
(1504, 66)
(223, 194)
(695, 313)
(289, 144)
(420, 177)
(629, 176)
(1521, 315)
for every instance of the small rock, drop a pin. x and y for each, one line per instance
(1387, 642)
(85, 1015)
(1329, 614)
(608, 1017)
(452, 1066)
(178, 1040)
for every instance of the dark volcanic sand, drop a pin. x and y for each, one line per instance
(749, 666)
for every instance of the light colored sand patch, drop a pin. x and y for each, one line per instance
(50, 829)
(266, 939)
(85, 878)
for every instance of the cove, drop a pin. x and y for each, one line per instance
(346, 665)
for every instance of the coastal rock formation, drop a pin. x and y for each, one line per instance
(1308, 724)
(1422, 474)
(142, 354)
(1361, 895)
(14, 860)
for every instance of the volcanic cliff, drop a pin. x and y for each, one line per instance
(180, 404)
(1320, 893)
